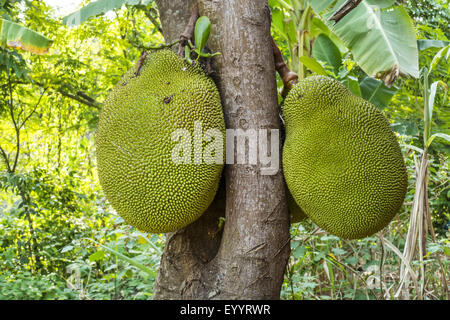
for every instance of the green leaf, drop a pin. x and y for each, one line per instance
(209, 55)
(299, 252)
(325, 50)
(438, 135)
(411, 147)
(17, 36)
(381, 3)
(110, 267)
(351, 260)
(438, 57)
(66, 248)
(318, 27)
(94, 9)
(286, 27)
(380, 40)
(447, 251)
(353, 84)
(278, 22)
(125, 258)
(202, 30)
(405, 127)
(376, 92)
(338, 251)
(187, 54)
(423, 44)
(289, 28)
(429, 109)
(280, 3)
(313, 65)
(320, 5)
(99, 255)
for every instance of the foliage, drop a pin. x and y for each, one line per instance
(97, 8)
(325, 267)
(49, 197)
(316, 266)
(378, 45)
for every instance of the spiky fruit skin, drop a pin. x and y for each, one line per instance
(134, 144)
(295, 212)
(341, 160)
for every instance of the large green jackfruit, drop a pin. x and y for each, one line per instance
(134, 144)
(342, 162)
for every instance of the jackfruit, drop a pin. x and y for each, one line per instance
(342, 162)
(295, 212)
(134, 146)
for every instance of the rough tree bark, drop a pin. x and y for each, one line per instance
(247, 259)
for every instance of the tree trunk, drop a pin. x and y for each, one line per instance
(247, 259)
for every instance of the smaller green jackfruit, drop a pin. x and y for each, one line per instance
(342, 162)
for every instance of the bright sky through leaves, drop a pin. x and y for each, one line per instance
(64, 7)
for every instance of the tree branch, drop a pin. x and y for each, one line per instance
(81, 97)
(188, 33)
(289, 78)
(6, 159)
(32, 111)
(345, 9)
(16, 128)
(149, 15)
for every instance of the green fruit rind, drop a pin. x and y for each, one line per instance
(342, 162)
(134, 145)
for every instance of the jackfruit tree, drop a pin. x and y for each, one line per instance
(197, 246)
(228, 263)
(342, 164)
(101, 167)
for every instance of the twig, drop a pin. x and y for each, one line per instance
(86, 97)
(6, 159)
(162, 46)
(144, 53)
(289, 78)
(188, 33)
(345, 9)
(32, 112)
(16, 128)
(152, 19)
(79, 97)
(140, 62)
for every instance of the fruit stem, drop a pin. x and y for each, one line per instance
(141, 60)
(289, 78)
(162, 46)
